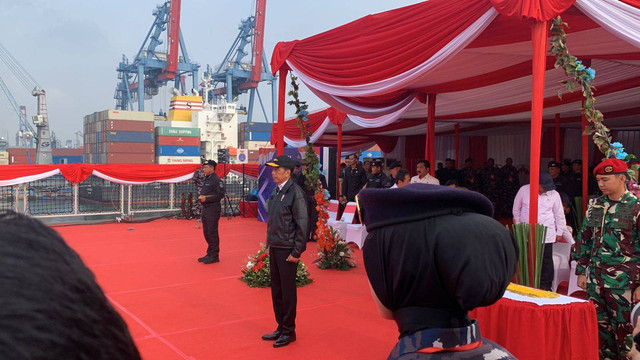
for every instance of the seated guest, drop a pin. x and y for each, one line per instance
(51, 306)
(432, 255)
(403, 178)
(423, 176)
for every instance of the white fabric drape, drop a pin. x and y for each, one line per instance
(572, 144)
(382, 120)
(402, 80)
(500, 147)
(124, 182)
(316, 135)
(26, 179)
(617, 17)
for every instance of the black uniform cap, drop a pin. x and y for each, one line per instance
(282, 161)
(210, 163)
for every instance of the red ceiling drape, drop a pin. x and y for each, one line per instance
(538, 10)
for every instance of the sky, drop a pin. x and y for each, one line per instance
(73, 47)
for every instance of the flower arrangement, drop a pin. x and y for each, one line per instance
(256, 272)
(333, 250)
(583, 76)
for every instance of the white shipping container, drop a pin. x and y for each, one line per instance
(125, 115)
(177, 160)
(4, 155)
(4, 161)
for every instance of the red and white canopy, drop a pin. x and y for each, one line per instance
(474, 54)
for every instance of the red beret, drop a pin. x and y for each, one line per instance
(610, 166)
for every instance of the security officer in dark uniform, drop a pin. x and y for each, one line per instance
(286, 238)
(355, 177)
(378, 179)
(563, 184)
(211, 195)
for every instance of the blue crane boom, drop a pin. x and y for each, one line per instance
(151, 69)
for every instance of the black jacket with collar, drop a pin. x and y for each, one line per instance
(288, 220)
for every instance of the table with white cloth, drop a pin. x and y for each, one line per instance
(534, 328)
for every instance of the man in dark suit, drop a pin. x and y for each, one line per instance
(287, 227)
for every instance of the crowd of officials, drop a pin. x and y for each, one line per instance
(499, 184)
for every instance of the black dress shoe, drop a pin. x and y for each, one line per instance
(210, 260)
(284, 340)
(201, 259)
(273, 336)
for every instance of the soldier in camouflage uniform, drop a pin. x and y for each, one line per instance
(608, 257)
(489, 181)
(469, 176)
(198, 180)
(509, 186)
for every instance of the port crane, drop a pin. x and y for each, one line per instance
(151, 68)
(235, 76)
(41, 121)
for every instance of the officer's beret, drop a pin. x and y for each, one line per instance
(282, 161)
(610, 167)
(376, 163)
(383, 207)
(577, 161)
(210, 163)
(554, 164)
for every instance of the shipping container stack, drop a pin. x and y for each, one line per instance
(4, 158)
(254, 136)
(119, 137)
(177, 145)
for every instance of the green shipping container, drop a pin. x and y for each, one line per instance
(177, 131)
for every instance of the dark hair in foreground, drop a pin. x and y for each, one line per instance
(50, 304)
(402, 174)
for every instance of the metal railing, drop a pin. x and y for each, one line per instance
(56, 197)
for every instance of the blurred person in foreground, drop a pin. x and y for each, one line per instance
(433, 254)
(50, 304)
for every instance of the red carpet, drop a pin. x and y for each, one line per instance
(178, 308)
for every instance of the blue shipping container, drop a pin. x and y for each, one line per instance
(67, 159)
(129, 136)
(258, 136)
(170, 150)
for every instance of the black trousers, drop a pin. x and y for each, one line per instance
(283, 289)
(210, 219)
(546, 276)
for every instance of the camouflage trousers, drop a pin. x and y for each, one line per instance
(613, 309)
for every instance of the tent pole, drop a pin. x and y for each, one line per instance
(539, 43)
(281, 97)
(338, 158)
(585, 163)
(456, 128)
(430, 148)
(557, 135)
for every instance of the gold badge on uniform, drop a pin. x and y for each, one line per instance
(608, 169)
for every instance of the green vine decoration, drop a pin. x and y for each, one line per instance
(312, 172)
(582, 76)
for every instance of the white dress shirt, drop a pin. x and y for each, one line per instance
(550, 212)
(427, 179)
